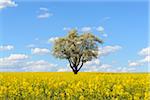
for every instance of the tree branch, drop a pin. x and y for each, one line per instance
(70, 64)
(79, 60)
(80, 66)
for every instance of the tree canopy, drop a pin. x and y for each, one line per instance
(77, 49)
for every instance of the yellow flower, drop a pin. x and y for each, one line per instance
(81, 98)
(66, 86)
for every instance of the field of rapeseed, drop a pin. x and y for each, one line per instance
(66, 86)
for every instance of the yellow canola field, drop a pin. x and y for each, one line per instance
(67, 86)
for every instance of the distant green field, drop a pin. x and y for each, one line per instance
(66, 86)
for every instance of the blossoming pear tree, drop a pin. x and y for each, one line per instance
(77, 49)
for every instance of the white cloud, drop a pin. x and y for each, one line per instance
(96, 68)
(64, 70)
(90, 68)
(104, 35)
(145, 52)
(6, 47)
(66, 28)
(22, 65)
(136, 63)
(69, 28)
(139, 62)
(103, 51)
(7, 3)
(94, 61)
(95, 65)
(146, 59)
(52, 39)
(100, 29)
(125, 69)
(7, 69)
(17, 57)
(40, 51)
(86, 29)
(19, 62)
(83, 29)
(43, 9)
(105, 66)
(39, 65)
(44, 13)
(12, 60)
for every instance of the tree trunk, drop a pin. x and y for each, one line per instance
(75, 72)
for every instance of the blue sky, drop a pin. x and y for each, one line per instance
(27, 31)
